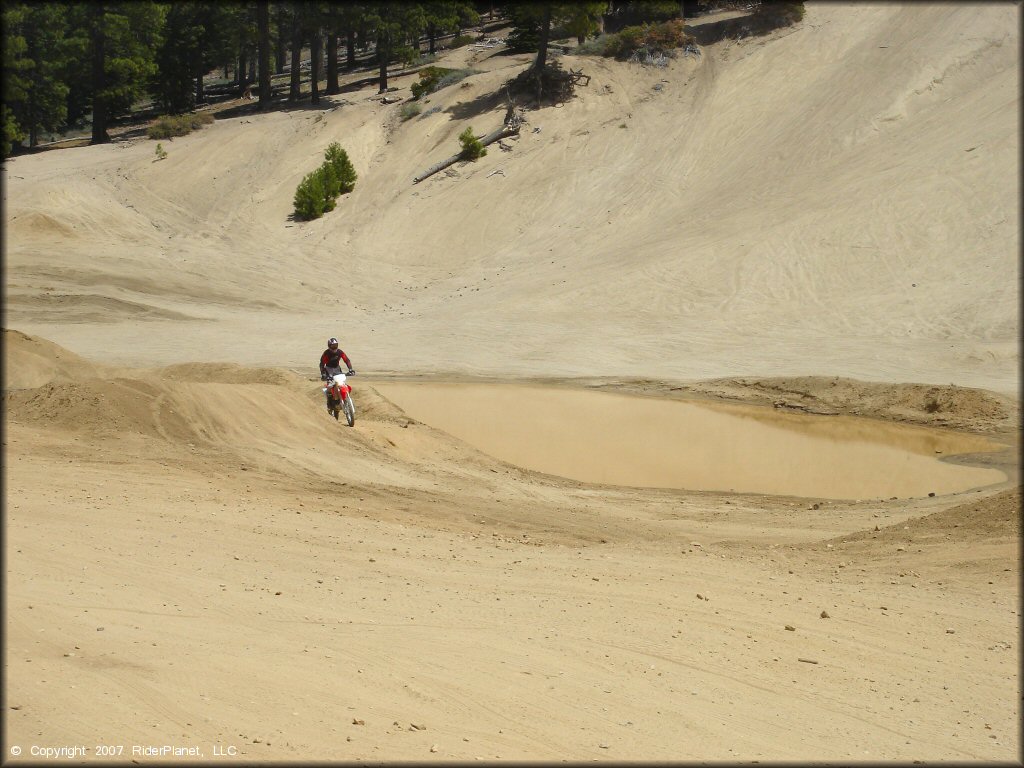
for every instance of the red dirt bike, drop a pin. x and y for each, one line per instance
(339, 398)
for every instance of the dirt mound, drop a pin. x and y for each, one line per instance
(966, 528)
(373, 406)
(197, 404)
(31, 361)
(929, 405)
(993, 517)
(227, 373)
(37, 223)
(47, 384)
(93, 406)
(90, 307)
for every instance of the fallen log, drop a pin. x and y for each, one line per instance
(510, 129)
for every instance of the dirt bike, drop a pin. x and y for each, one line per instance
(339, 398)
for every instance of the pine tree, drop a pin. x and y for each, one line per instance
(310, 197)
(116, 45)
(444, 16)
(197, 37)
(35, 55)
(345, 171)
(393, 23)
(15, 84)
(179, 58)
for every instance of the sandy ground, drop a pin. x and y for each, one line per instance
(819, 223)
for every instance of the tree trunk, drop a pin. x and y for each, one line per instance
(99, 79)
(200, 95)
(332, 63)
(315, 55)
(382, 59)
(263, 22)
(243, 70)
(350, 50)
(33, 128)
(501, 133)
(295, 82)
(279, 41)
(31, 109)
(432, 36)
(545, 32)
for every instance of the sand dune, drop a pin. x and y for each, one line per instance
(821, 225)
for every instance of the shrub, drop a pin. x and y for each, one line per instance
(337, 157)
(645, 57)
(168, 126)
(645, 43)
(453, 76)
(161, 153)
(406, 54)
(461, 40)
(551, 85)
(472, 149)
(435, 78)
(410, 110)
(423, 59)
(310, 197)
(598, 46)
(428, 79)
(331, 183)
(318, 192)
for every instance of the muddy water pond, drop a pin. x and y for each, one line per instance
(630, 440)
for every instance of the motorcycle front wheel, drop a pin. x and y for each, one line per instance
(350, 410)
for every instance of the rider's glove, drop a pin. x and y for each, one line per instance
(350, 372)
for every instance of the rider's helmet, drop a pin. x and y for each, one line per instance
(332, 342)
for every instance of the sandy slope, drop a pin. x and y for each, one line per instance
(824, 221)
(840, 199)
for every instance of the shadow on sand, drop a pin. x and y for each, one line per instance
(485, 102)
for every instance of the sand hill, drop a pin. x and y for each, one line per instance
(824, 220)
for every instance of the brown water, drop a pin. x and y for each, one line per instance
(628, 440)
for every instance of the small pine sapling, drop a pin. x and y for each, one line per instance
(472, 149)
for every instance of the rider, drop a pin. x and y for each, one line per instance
(330, 363)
